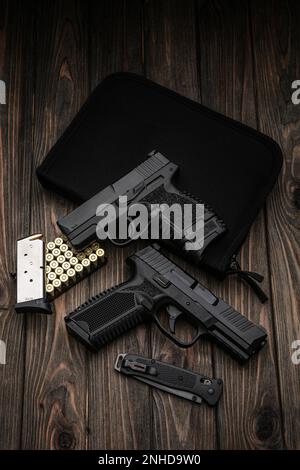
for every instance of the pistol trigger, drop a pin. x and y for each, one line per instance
(174, 313)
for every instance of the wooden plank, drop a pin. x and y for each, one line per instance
(73, 399)
(107, 39)
(55, 385)
(249, 415)
(11, 378)
(15, 182)
(119, 409)
(170, 58)
(275, 36)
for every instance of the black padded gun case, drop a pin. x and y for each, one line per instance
(226, 164)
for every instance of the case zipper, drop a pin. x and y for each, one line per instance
(250, 277)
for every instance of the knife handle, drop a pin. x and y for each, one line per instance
(183, 382)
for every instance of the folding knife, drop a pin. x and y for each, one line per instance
(168, 378)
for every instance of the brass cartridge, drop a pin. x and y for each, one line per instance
(66, 265)
(86, 265)
(68, 255)
(79, 270)
(71, 273)
(60, 259)
(93, 260)
(59, 271)
(73, 261)
(51, 276)
(49, 257)
(49, 290)
(50, 246)
(64, 248)
(95, 246)
(88, 251)
(57, 285)
(56, 252)
(80, 255)
(100, 254)
(64, 279)
(53, 264)
(58, 242)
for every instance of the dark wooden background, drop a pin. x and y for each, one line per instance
(236, 57)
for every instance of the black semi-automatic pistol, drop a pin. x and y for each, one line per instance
(157, 282)
(183, 383)
(149, 183)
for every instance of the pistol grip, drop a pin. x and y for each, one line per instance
(109, 314)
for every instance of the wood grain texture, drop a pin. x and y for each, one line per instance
(170, 58)
(55, 399)
(15, 183)
(238, 58)
(249, 415)
(119, 409)
(275, 33)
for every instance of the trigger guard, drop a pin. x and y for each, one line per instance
(172, 336)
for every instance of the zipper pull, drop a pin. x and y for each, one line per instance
(250, 277)
(235, 268)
